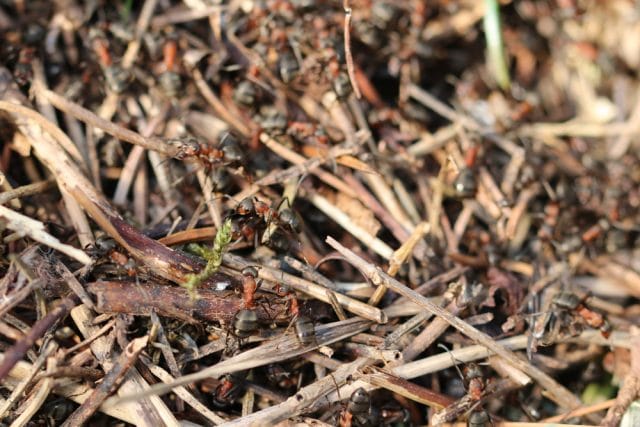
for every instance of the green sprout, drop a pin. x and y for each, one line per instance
(497, 60)
(125, 10)
(213, 257)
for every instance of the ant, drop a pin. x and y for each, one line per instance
(228, 151)
(479, 419)
(170, 80)
(229, 389)
(568, 313)
(465, 184)
(576, 305)
(23, 73)
(358, 411)
(303, 325)
(253, 216)
(305, 331)
(245, 93)
(309, 132)
(280, 376)
(476, 390)
(288, 67)
(107, 247)
(117, 78)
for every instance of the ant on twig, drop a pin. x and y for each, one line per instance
(471, 402)
(255, 220)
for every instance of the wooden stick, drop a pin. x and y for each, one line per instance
(630, 389)
(170, 148)
(25, 191)
(333, 212)
(303, 398)
(73, 391)
(347, 48)
(25, 226)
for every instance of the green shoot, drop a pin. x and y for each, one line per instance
(125, 10)
(496, 61)
(213, 257)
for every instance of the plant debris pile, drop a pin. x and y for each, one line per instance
(325, 212)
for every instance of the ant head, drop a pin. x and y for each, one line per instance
(245, 207)
(472, 370)
(567, 300)
(250, 271)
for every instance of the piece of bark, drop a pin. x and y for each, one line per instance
(169, 301)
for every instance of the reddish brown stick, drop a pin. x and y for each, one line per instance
(169, 301)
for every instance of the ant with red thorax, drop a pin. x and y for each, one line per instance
(303, 325)
(216, 159)
(117, 77)
(107, 248)
(170, 81)
(567, 314)
(226, 152)
(477, 388)
(255, 219)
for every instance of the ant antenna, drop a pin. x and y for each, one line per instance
(453, 359)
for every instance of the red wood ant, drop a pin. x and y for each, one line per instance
(117, 78)
(170, 80)
(471, 402)
(254, 218)
(228, 151)
(107, 247)
(574, 304)
(567, 314)
(305, 331)
(465, 185)
(280, 376)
